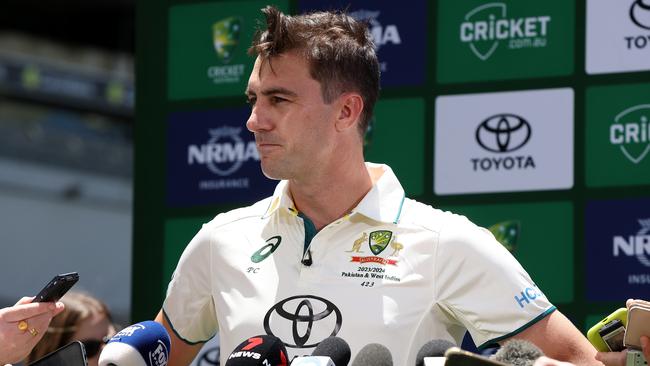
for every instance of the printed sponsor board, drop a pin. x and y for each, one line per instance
(212, 159)
(618, 36)
(178, 233)
(396, 138)
(539, 235)
(617, 249)
(617, 142)
(207, 47)
(505, 39)
(398, 32)
(506, 141)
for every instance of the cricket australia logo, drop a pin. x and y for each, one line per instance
(507, 233)
(631, 132)
(377, 241)
(486, 26)
(225, 37)
(635, 245)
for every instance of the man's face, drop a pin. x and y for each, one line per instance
(293, 126)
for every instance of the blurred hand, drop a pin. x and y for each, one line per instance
(547, 361)
(15, 344)
(612, 358)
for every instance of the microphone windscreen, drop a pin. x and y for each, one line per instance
(373, 354)
(434, 348)
(142, 344)
(518, 352)
(259, 350)
(313, 361)
(335, 348)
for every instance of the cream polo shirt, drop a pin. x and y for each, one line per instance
(393, 271)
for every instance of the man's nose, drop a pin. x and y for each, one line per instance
(257, 122)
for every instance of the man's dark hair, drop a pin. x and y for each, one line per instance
(339, 50)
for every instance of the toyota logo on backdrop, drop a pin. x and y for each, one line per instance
(503, 133)
(297, 310)
(640, 13)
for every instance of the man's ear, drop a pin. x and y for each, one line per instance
(350, 109)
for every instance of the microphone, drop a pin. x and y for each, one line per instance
(332, 351)
(434, 348)
(518, 352)
(335, 348)
(373, 354)
(260, 350)
(141, 344)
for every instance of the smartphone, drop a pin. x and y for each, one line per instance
(638, 323)
(458, 357)
(57, 287)
(607, 335)
(73, 354)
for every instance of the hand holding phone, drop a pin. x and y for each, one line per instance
(607, 335)
(638, 323)
(57, 287)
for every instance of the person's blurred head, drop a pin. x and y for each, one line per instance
(84, 319)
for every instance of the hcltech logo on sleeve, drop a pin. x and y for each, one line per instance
(499, 142)
(618, 135)
(488, 40)
(207, 47)
(618, 36)
(212, 158)
(397, 31)
(617, 235)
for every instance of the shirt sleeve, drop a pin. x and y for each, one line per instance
(189, 306)
(482, 286)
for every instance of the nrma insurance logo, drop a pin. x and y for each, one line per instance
(618, 249)
(504, 135)
(212, 158)
(383, 35)
(225, 40)
(630, 132)
(488, 27)
(634, 245)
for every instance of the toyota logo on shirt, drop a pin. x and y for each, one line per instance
(503, 133)
(310, 318)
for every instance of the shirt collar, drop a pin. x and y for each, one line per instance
(385, 199)
(382, 203)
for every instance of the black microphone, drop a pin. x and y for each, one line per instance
(373, 354)
(434, 348)
(259, 350)
(335, 348)
(518, 352)
(306, 259)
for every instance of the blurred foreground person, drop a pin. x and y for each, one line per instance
(84, 319)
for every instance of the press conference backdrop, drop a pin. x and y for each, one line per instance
(531, 118)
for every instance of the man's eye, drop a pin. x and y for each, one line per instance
(276, 100)
(251, 101)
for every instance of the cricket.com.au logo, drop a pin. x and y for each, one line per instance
(503, 134)
(486, 27)
(635, 245)
(631, 132)
(639, 16)
(382, 35)
(225, 40)
(223, 155)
